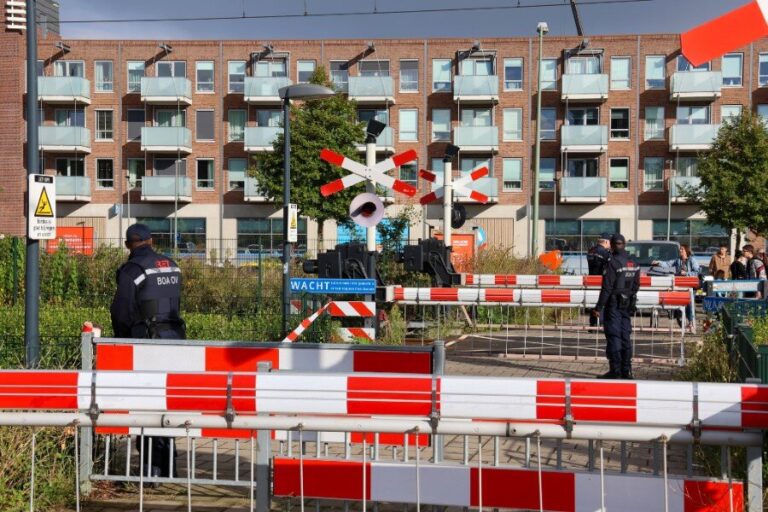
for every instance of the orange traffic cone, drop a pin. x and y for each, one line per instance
(552, 260)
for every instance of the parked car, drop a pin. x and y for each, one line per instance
(646, 251)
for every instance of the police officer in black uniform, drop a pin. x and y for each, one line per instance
(597, 259)
(146, 305)
(618, 296)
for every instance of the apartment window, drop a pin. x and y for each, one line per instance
(204, 76)
(340, 75)
(205, 179)
(585, 65)
(104, 129)
(620, 72)
(467, 165)
(272, 118)
(171, 118)
(684, 65)
(548, 123)
(513, 124)
(409, 122)
(205, 125)
(304, 70)
(574, 234)
(547, 174)
(190, 233)
(441, 124)
(135, 73)
(476, 117)
(619, 123)
(585, 116)
(237, 169)
(103, 76)
(136, 171)
(763, 69)
(105, 173)
(171, 68)
(380, 115)
(653, 174)
(374, 68)
(170, 167)
(654, 71)
(762, 113)
(266, 235)
(136, 121)
(441, 75)
(70, 117)
(512, 171)
(409, 173)
(70, 166)
(687, 167)
(409, 76)
(699, 235)
(549, 74)
(732, 66)
(236, 120)
(236, 76)
(476, 67)
(691, 114)
(583, 168)
(729, 112)
(513, 74)
(654, 123)
(618, 174)
(270, 68)
(438, 168)
(69, 68)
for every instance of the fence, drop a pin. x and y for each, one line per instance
(749, 358)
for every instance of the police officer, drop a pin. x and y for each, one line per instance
(618, 295)
(597, 259)
(146, 305)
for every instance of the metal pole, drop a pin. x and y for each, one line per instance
(32, 274)
(370, 232)
(438, 370)
(286, 201)
(263, 452)
(537, 160)
(754, 479)
(176, 207)
(447, 200)
(669, 203)
(86, 433)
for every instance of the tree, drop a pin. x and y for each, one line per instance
(316, 124)
(734, 176)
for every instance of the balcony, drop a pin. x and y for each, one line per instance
(476, 89)
(73, 188)
(696, 86)
(678, 185)
(252, 194)
(584, 88)
(164, 90)
(263, 90)
(66, 139)
(260, 138)
(165, 189)
(384, 143)
(63, 89)
(477, 138)
(584, 139)
(166, 139)
(583, 190)
(488, 186)
(371, 89)
(692, 137)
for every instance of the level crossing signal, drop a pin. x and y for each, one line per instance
(361, 172)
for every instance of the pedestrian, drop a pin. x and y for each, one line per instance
(684, 265)
(739, 266)
(721, 261)
(755, 268)
(616, 304)
(147, 305)
(598, 257)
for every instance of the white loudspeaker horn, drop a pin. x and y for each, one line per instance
(366, 210)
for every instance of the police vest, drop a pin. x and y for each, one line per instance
(158, 288)
(626, 271)
(597, 259)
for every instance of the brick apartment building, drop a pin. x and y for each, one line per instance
(623, 121)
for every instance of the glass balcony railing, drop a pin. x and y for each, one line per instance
(166, 188)
(371, 88)
(584, 87)
(474, 87)
(692, 137)
(696, 85)
(264, 89)
(580, 138)
(583, 190)
(488, 185)
(260, 138)
(384, 142)
(166, 89)
(166, 138)
(73, 188)
(680, 185)
(476, 137)
(61, 89)
(64, 138)
(252, 192)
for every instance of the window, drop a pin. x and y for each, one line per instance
(692, 114)
(170, 167)
(620, 72)
(135, 73)
(653, 174)
(683, 65)
(171, 118)
(762, 113)
(441, 124)
(548, 74)
(513, 74)
(476, 117)
(236, 119)
(763, 69)
(270, 68)
(266, 235)
(103, 76)
(512, 171)
(70, 117)
(547, 174)
(190, 234)
(441, 75)
(700, 236)
(136, 170)
(374, 67)
(687, 167)
(585, 65)
(732, 64)
(437, 168)
(409, 76)
(237, 169)
(548, 123)
(104, 130)
(619, 123)
(583, 168)
(205, 179)
(171, 68)
(583, 116)
(205, 125)
(409, 121)
(272, 118)
(135, 119)
(729, 112)
(365, 115)
(467, 165)
(409, 173)
(236, 74)
(304, 70)
(476, 67)
(68, 68)
(340, 75)
(618, 174)
(70, 166)
(654, 123)
(105, 173)
(513, 124)
(654, 71)
(204, 76)
(574, 234)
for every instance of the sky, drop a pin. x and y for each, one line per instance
(652, 16)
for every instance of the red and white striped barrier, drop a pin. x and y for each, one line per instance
(357, 333)
(294, 334)
(459, 186)
(361, 173)
(568, 281)
(345, 309)
(496, 487)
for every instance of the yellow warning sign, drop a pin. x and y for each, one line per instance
(43, 208)
(293, 222)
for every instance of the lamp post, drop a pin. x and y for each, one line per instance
(542, 28)
(292, 92)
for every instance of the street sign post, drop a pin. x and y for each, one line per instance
(41, 207)
(333, 286)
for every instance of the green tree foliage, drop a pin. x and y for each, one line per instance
(734, 176)
(316, 124)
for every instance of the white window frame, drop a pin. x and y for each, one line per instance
(230, 75)
(96, 125)
(690, 117)
(646, 130)
(197, 114)
(724, 118)
(129, 88)
(450, 76)
(213, 77)
(508, 62)
(299, 71)
(111, 82)
(504, 180)
(99, 186)
(741, 69)
(658, 185)
(554, 128)
(340, 86)
(433, 132)
(378, 69)
(137, 179)
(629, 124)
(67, 65)
(69, 160)
(518, 129)
(615, 81)
(610, 178)
(762, 79)
(212, 179)
(177, 114)
(663, 72)
(415, 166)
(544, 166)
(229, 170)
(415, 113)
(172, 63)
(229, 124)
(548, 84)
(416, 88)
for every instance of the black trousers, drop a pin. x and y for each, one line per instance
(618, 337)
(163, 449)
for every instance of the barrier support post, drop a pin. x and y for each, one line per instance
(438, 370)
(86, 433)
(754, 478)
(263, 453)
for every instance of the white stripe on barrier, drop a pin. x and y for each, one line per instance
(628, 493)
(314, 394)
(439, 485)
(720, 404)
(117, 391)
(160, 358)
(311, 360)
(662, 400)
(477, 398)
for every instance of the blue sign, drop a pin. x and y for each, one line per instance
(333, 286)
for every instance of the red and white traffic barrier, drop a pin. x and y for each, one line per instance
(294, 334)
(346, 309)
(579, 281)
(357, 333)
(495, 487)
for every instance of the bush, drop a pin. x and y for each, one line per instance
(709, 361)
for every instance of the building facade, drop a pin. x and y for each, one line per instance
(162, 131)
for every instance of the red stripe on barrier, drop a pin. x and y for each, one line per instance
(391, 362)
(329, 479)
(119, 431)
(38, 390)
(556, 296)
(208, 393)
(604, 401)
(701, 496)
(429, 176)
(390, 396)
(550, 400)
(399, 294)
(331, 157)
(358, 332)
(687, 282)
(674, 298)
(114, 357)
(499, 295)
(391, 439)
(478, 196)
(428, 198)
(548, 280)
(479, 173)
(228, 433)
(519, 489)
(508, 280)
(331, 188)
(404, 188)
(754, 407)
(598, 281)
(234, 359)
(444, 294)
(404, 157)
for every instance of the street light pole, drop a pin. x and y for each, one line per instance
(542, 29)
